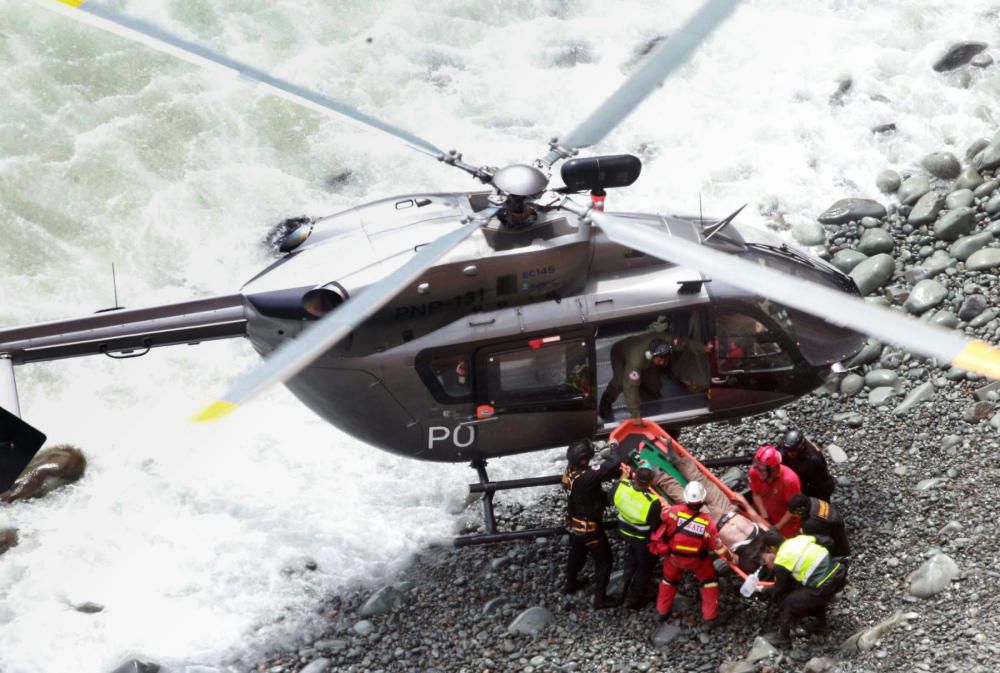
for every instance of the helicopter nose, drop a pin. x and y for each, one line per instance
(320, 300)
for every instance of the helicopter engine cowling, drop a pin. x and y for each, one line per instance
(319, 301)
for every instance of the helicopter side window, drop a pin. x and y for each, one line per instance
(745, 344)
(542, 372)
(448, 376)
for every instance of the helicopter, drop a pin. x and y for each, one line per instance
(465, 326)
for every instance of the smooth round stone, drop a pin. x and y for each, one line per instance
(993, 205)
(912, 189)
(888, 181)
(846, 210)
(955, 224)
(983, 318)
(965, 246)
(958, 55)
(925, 295)
(926, 209)
(874, 241)
(942, 165)
(873, 273)
(945, 319)
(988, 159)
(869, 353)
(809, 233)
(973, 306)
(870, 222)
(846, 259)
(981, 60)
(987, 258)
(976, 147)
(959, 199)
(969, 179)
(985, 189)
(879, 396)
(877, 378)
(852, 384)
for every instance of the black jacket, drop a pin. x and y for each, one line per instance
(824, 520)
(810, 466)
(586, 497)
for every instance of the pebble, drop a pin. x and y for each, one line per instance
(925, 295)
(664, 634)
(852, 384)
(954, 224)
(761, 649)
(869, 353)
(966, 245)
(875, 241)
(973, 306)
(933, 576)
(881, 377)
(820, 665)
(837, 454)
(926, 209)
(846, 210)
(985, 189)
(986, 258)
(912, 189)
(738, 666)
(846, 259)
(988, 159)
(983, 318)
(942, 165)
(922, 393)
(959, 198)
(316, 666)
(532, 621)
(969, 180)
(887, 181)
(977, 412)
(945, 319)
(993, 205)
(879, 396)
(873, 273)
(363, 627)
(958, 55)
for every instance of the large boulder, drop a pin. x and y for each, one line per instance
(846, 210)
(47, 471)
(933, 576)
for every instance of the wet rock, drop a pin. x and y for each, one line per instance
(942, 165)
(934, 576)
(993, 205)
(852, 384)
(494, 605)
(8, 539)
(869, 353)
(963, 248)
(384, 600)
(844, 85)
(738, 666)
(954, 224)
(881, 377)
(879, 396)
(847, 259)
(985, 189)
(960, 198)
(958, 55)
(89, 608)
(846, 210)
(969, 179)
(922, 393)
(981, 60)
(977, 412)
(873, 273)
(887, 181)
(930, 267)
(138, 666)
(912, 189)
(875, 241)
(664, 634)
(987, 258)
(837, 454)
(945, 319)
(316, 666)
(976, 147)
(926, 209)
(925, 295)
(884, 129)
(761, 649)
(973, 305)
(984, 318)
(983, 393)
(363, 627)
(866, 639)
(47, 471)
(532, 621)
(820, 665)
(809, 233)
(988, 159)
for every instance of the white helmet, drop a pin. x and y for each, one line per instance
(694, 493)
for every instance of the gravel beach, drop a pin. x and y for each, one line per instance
(914, 447)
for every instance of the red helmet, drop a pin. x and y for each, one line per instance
(768, 455)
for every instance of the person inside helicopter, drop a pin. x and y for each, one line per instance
(639, 361)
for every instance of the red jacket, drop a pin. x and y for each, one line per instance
(687, 532)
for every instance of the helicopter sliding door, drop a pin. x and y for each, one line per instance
(535, 392)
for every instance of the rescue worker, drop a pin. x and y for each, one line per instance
(818, 518)
(639, 513)
(772, 484)
(585, 512)
(807, 461)
(806, 579)
(636, 363)
(685, 539)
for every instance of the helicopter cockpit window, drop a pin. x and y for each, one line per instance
(542, 372)
(449, 376)
(746, 344)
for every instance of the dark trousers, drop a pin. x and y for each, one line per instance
(638, 569)
(809, 602)
(596, 545)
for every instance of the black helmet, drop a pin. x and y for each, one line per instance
(658, 348)
(798, 504)
(793, 440)
(577, 451)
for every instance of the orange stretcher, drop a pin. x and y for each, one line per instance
(652, 443)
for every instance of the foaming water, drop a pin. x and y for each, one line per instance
(194, 539)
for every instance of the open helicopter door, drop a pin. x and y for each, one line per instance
(535, 391)
(19, 442)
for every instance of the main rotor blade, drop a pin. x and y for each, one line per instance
(668, 57)
(297, 354)
(91, 13)
(831, 305)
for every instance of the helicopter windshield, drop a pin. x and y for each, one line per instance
(819, 341)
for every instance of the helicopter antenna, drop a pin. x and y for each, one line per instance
(701, 213)
(722, 224)
(114, 283)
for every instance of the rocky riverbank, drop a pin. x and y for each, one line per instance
(917, 449)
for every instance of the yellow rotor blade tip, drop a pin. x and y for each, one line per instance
(72, 3)
(214, 411)
(981, 358)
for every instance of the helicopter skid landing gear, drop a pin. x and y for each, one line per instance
(488, 489)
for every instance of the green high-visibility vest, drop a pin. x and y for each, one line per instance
(808, 562)
(633, 510)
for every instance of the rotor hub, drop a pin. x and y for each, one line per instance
(520, 180)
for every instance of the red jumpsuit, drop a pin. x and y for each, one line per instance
(684, 540)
